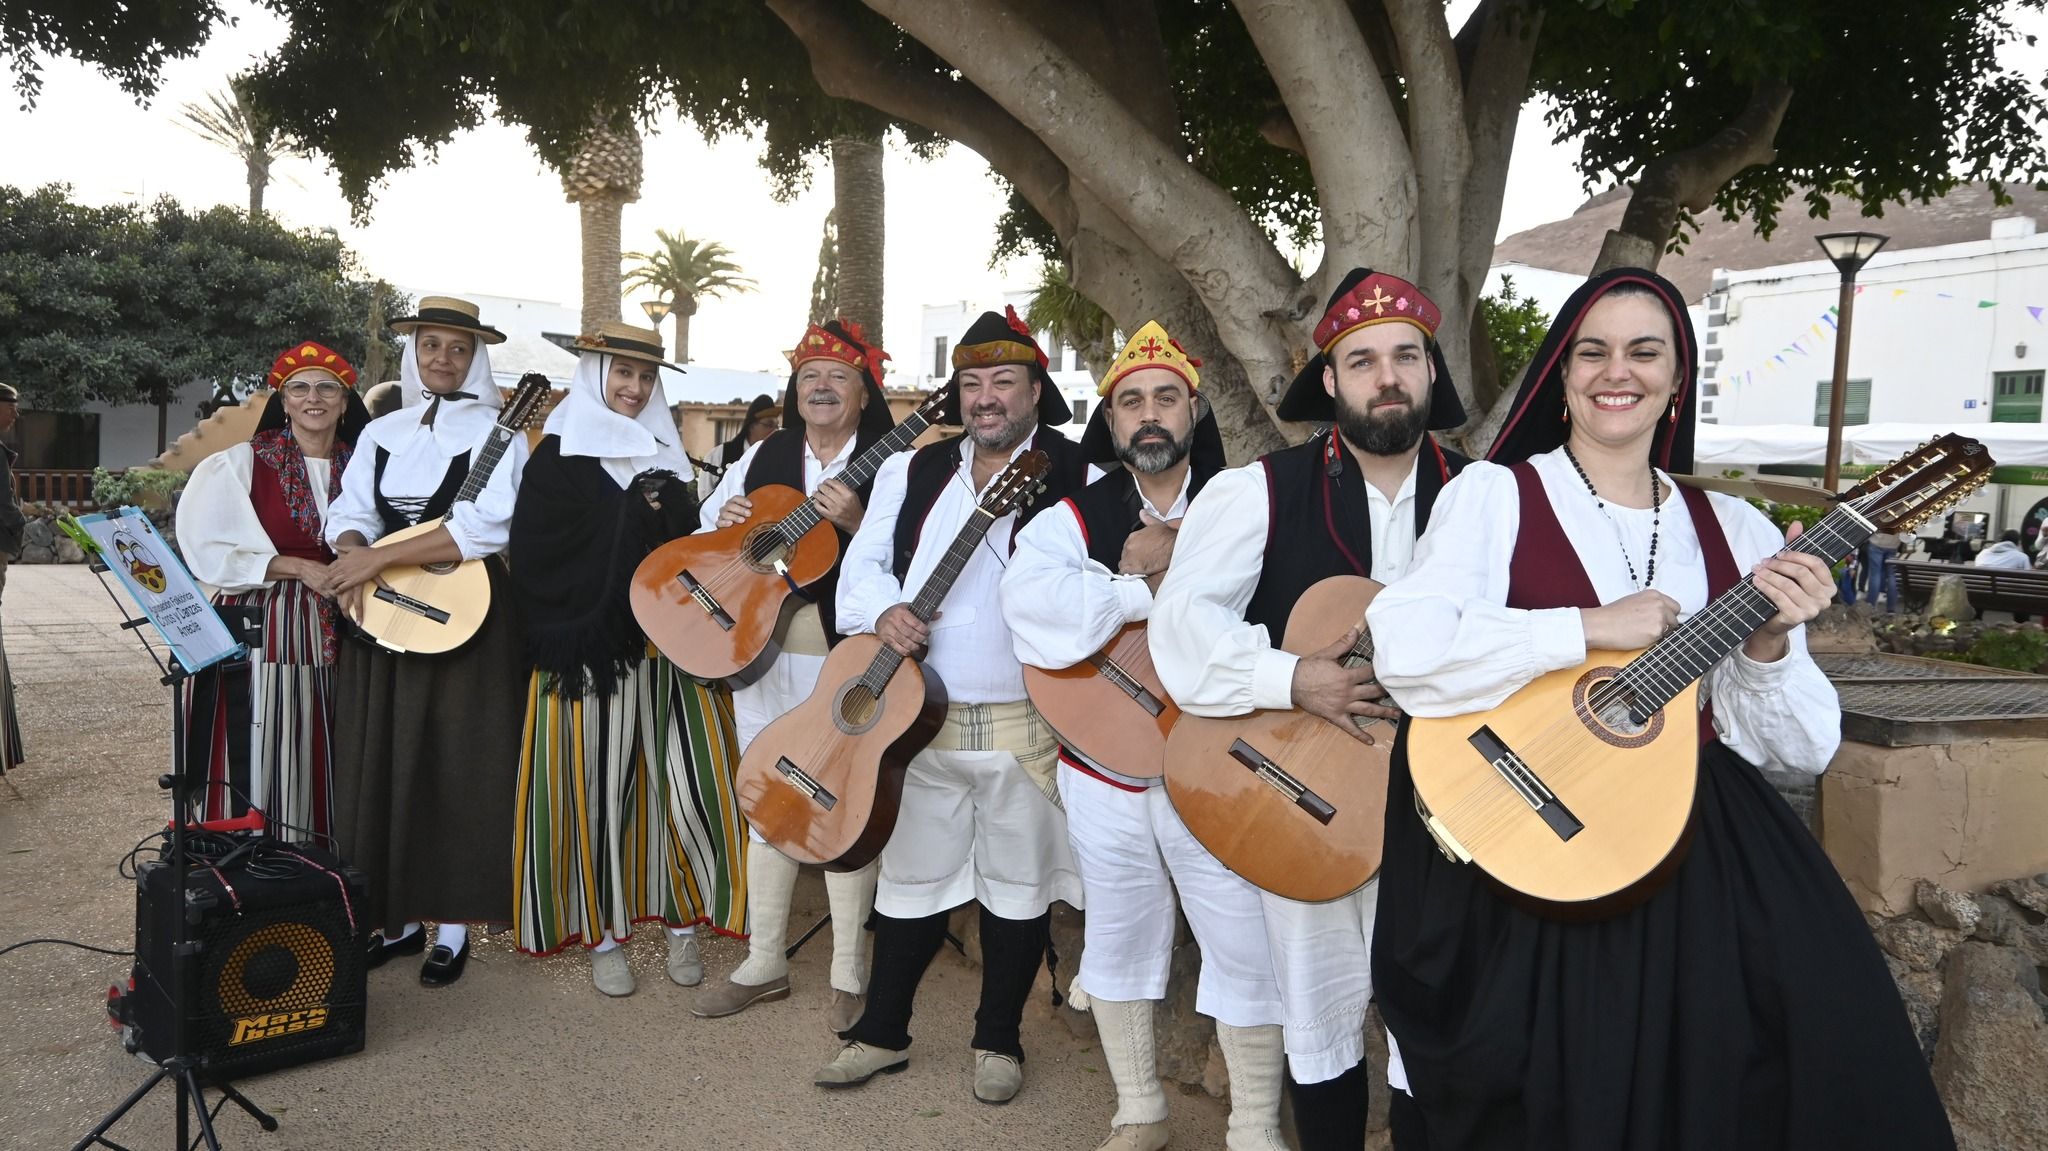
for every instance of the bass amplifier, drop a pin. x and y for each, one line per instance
(274, 970)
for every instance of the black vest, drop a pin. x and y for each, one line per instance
(780, 460)
(932, 467)
(404, 513)
(1320, 525)
(1109, 509)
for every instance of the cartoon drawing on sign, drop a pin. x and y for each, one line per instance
(142, 563)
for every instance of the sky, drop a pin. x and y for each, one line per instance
(485, 216)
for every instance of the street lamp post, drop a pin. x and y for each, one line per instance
(657, 311)
(1849, 251)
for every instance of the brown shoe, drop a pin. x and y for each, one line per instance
(844, 1011)
(729, 998)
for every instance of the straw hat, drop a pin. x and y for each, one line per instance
(447, 312)
(616, 338)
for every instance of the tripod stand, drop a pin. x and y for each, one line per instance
(181, 1068)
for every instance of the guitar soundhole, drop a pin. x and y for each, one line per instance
(1615, 723)
(441, 568)
(857, 708)
(765, 549)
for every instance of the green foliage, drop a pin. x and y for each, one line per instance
(127, 42)
(1073, 318)
(142, 487)
(1516, 324)
(126, 304)
(2019, 649)
(686, 269)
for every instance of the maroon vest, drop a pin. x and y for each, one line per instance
(266, 492)
(1545, 571)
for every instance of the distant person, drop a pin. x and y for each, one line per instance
(12, 525)
(1878, 572)
(763, 417)
(385, 398)
(2005, 553)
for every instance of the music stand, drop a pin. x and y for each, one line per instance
(195, 637)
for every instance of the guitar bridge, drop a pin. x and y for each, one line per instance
(705, 599)
(1278, 778)
(1129, 684)
(418, 607)
(802, 781)
(1526, 783)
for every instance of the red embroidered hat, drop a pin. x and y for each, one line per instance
(307, 356)
(848, 345)
(1377, 299)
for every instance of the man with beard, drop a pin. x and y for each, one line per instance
(1350, 501)
(833, 411)
(1100, 557)
(979, 817)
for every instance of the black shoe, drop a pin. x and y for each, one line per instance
(379, 951)
(444, 966)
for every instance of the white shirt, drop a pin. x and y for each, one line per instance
(1446, 644)
(223, 541)
(734, 482)
(1212, 661)
(971, 648)
(480, 527)
(2003, 555)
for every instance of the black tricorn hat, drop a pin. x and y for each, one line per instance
(1005, 339)
(1308, 400)
(447, 312)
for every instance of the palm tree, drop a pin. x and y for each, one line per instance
(857, 213)
(231, 121)
(683, 272)
(1073, 319)
(602, 178)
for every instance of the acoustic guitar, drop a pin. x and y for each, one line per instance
(433, 608)
(823, 782)
(1575, 795)
(1110, 707)
(1284, 798)
(713, 601)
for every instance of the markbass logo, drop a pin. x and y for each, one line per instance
(256, 1028)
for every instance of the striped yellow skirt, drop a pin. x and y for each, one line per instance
(627, 811)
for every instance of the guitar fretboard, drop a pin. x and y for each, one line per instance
(792, 527)
(486, 462)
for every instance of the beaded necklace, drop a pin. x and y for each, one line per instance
(1656, 519)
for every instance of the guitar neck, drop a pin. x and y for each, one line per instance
(929, 597)
(480, 471)
(807, 514)
(1682, 657)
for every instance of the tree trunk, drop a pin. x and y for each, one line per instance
(373, 350)
(685, 307)
(825, 284)
(602, 294)
(857, 214)
(259, 175)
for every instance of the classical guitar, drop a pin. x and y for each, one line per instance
(1284, 798)
(1110, 707)
(435, 608)
(1576, 793)
(713, 601)
(823, 782)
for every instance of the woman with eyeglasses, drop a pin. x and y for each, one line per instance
(250, 524)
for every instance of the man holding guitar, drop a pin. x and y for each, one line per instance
(1104, 552)
(978, 818)
(1350, 501)
(833, 411)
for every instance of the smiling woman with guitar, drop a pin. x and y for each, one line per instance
(1726, 993)
(424, 744)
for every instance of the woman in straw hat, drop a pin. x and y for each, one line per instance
(626, 806)
(424, 752)
(251, 523)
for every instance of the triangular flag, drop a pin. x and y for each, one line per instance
(1944, 296)
(1834, 309)
(1780, 357)
(1829, 320)
(1987, 303)
(1817, 331)
(2035, 312)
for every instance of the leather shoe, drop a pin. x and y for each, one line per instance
(444, 966)
(610, 972)
(857, 1063)
(997, 1077)
(1136, 1137)
(729, 998)
(379, 952)
(685, 962)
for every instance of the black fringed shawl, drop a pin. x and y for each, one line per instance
(576, 538)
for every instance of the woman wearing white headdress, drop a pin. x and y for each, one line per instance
(626, 798)
(423, 750)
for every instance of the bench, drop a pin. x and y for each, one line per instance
(1989, 589)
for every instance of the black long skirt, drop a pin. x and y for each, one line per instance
(426, 772)
(1744, 1005)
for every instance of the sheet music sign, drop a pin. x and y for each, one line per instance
(131, 548)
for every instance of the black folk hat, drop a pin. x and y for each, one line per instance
(1366, 297)
(992, 340)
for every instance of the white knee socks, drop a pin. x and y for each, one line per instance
(1125, 1027)
(1255, 1060)
(451, 935)
(851, 895)
(771, 881)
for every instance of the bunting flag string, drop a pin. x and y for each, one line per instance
(1809, 341)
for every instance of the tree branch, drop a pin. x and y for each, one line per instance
(1437, 136)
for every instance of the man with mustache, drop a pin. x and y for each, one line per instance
(979, 818)
(1349, 501)
(832, 411)
(1100, 556)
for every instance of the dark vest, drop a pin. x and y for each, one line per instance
(931, 469)
(1109, 510)
(403, 513)
(1319, 525)
(780, 460)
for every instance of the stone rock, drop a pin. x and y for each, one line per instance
(965, 924)
(1944, 907)
(1949, 600)
(1991, 1063)
(2034, 941)
(1999, 920)
(38, 534)
(1921, 993)
(36, 555)
(1841, 627)
(1919, 944)
(1216, 1076)
(67, 551)
(2031, 893)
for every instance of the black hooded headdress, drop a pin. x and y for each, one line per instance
(1308, 400)
(1005, 339)
(1536, 422)
(739, 442)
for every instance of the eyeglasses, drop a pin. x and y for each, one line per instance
(300, 389)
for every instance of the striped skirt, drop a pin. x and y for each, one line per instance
(627, 811)
(11, 755)
(288, 770)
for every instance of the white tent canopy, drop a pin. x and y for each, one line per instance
(1726, 445)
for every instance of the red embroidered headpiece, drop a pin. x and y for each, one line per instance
(1377, 299)
(821, 343)
(301, 357)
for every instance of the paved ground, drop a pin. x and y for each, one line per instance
(521, 1054)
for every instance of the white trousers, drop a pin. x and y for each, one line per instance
(1322, 957)
(1134, 854)
(973, 825)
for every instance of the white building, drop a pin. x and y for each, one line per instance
(942, 326)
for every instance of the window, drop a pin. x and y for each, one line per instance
(58, 439)
(1080, 411)
(2016, 398)
(1855, 408)
(941, 368)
